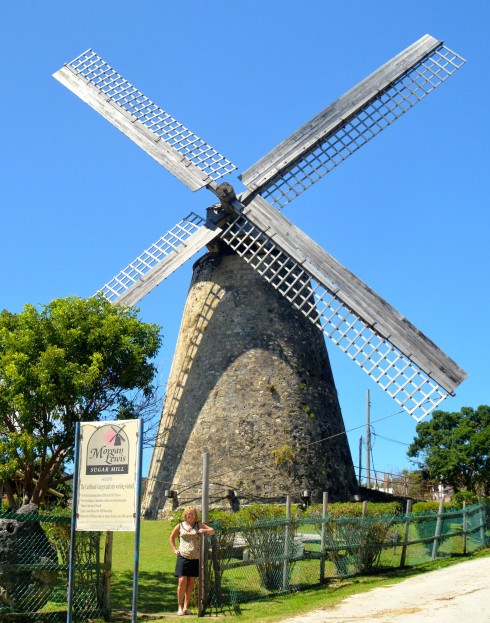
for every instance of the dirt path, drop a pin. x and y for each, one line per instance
(457, 594)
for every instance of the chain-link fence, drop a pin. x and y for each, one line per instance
(34, 565)
(250, 561)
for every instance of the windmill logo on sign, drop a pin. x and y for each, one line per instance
(108, 451)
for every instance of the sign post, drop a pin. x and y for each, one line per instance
(71, 566)
(107, 485)
(137, 528)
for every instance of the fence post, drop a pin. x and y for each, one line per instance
(482, 520)
(437, 535)
(465, 527)
(405, 533)
(106, 605)
(287, 549)
(323, 536)
(204, 550)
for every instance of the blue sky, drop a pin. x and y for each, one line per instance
(408, 213)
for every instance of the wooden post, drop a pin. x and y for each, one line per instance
(323, 536)
(465, 528)
(364, 508)
(106, 578)
(203, 567)
(287, 548)
(482, 521)
(406, 530)
(437, 535)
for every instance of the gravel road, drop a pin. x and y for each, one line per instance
(456, 594)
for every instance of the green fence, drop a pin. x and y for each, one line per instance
(34, 562)
(278, 556)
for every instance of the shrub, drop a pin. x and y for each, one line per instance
(262, 528)
(464, 496)
(354, 509)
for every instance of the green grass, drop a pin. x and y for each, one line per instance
(157, 584)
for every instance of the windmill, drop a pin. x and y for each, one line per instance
(250, 230)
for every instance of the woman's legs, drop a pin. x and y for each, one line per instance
(188, 592)
(184, 592)
(181, 592)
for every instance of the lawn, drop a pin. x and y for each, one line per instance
(157, 584)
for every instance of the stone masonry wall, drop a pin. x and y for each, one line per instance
(251, 384)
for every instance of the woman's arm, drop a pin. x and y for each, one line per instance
(172, 538)
(204, 529)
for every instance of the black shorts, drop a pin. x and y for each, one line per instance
(186, 567)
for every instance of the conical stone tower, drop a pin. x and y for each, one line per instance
(251, 384)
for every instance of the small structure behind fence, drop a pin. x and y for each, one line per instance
(34, 566)
(278, 556)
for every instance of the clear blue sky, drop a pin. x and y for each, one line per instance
(408, 213)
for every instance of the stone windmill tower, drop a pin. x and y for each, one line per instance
(251, 381)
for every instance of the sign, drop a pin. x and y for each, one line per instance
(108, 476)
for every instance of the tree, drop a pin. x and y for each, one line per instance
(408, 483)
(455, 448)
(74, 360)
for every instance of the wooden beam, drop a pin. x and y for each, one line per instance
(317, 130)
(167, 266)
(355, 294)
(158, 149)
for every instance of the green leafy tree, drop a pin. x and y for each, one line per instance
(455, 448)
(73, 360)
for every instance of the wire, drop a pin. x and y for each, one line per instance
(403, 443)
(254, 465)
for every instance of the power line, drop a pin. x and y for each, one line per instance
(403, 443)
(254, 465)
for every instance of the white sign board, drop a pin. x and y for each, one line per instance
(108, 476)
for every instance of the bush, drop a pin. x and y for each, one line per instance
(354, 542)
(426, 508)
(464, 496)
(264, 532)
(221, 552)
(354, 509)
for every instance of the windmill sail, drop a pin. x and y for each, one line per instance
(399, 357)
(161, 259)
(392, 351)
(185, 155)
(350, 122)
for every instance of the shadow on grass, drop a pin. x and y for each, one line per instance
(157, 591)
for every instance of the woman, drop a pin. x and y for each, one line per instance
(187, 567)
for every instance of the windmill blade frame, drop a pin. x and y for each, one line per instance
(161, 259)
(351, 121)
(175, 147)
(390, 349)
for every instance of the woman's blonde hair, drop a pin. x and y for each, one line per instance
(187, 511)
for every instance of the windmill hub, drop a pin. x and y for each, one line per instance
(226, 195)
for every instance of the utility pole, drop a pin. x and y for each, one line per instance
(360, 461)
(368, 440)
